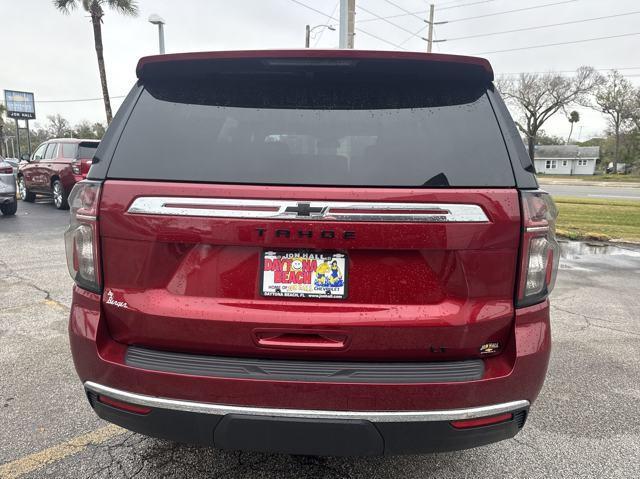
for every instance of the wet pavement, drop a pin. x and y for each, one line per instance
(585, 424)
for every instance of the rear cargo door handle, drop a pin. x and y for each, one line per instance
(315, 340)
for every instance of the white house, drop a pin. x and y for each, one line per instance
(566, 159)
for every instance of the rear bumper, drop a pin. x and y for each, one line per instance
(7, 188)
(308, 432)
(517, 374)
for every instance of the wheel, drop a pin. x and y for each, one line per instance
(25, 194)
(9, 209)
(60, 196)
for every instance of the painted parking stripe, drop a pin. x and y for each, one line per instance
(30, 463)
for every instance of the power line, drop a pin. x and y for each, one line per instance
(415, 34)
(386, 20)
(572, 71)
(77, 99)
(329, 17)
(558, 43)
(357, 29)
(314, 9)
(512, 11)
(542, 26)
(463, 5)
(404, 10)
(380, 39)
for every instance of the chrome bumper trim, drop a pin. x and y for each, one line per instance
(373, 416)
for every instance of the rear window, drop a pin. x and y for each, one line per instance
(69, 150)
(86, 150)
(308, 130)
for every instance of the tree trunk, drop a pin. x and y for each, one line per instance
(96, 19)
(616, 151)
(531, 140)
(570, 133)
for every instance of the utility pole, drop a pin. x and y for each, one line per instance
(351, 21)
(307, 36)
(430, 22)
(347, 23)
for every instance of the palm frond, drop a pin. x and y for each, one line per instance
(65, 6)
(126, 7)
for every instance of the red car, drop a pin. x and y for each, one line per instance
(313, 252)
(54, 168)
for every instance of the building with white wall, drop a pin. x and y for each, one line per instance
(566, 159)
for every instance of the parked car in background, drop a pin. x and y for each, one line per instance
(53, 169)
(15, 164)
(8, 201)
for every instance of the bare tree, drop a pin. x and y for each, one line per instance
(539, 97)
(58, 126)
(615, 97)
(574, 117)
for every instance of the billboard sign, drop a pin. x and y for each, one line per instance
(20, 105)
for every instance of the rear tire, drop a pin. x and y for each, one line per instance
(9, 209)
(60, 196)
(25, 194)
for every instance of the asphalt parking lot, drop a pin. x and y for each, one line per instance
(585, 424)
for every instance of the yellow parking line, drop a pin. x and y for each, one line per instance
(34, 461)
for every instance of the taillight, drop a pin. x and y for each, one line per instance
(540, 251)
(6, 170)
(75, 167)
(81, 238)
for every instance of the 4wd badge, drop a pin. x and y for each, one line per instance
(489, 348)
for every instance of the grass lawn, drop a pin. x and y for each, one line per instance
(605, 178)
(603, 219)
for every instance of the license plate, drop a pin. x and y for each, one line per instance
(304, 274)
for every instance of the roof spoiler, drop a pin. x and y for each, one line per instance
(181, 63)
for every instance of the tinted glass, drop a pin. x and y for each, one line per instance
(69, 150)
(86, 151)
(51, 151)
(39, 154)
(305, 132)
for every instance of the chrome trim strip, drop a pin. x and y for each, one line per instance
(322, 210)
(536, 229)
(373, 416)
(86, 217)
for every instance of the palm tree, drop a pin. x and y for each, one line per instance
(95, 10)
(574, 117)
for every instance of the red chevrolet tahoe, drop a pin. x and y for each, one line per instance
(320, 252)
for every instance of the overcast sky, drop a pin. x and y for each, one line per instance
(53, 54)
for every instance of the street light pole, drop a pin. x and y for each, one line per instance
(309, 29)
(157, 20)
(161, 37)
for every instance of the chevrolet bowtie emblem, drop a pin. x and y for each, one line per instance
(306, 210)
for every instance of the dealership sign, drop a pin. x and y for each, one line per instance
(20, 105)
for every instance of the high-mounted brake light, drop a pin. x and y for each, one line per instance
(81, 238)
(539, 251)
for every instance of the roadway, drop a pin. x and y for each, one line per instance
(585, 424)
(613, 192)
